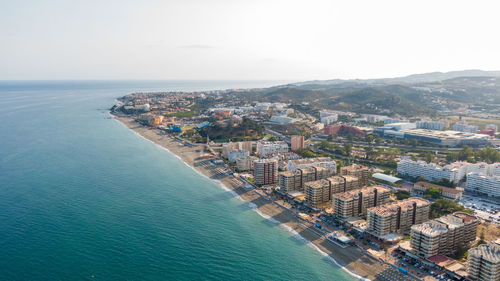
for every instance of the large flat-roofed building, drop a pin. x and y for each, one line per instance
(397, 217)
(359, 171)
(294, 180)
(446, 138)
(484, 262)
(267, 148)
(356, 202)
(446, 192)
(326, 162)
(443, 236)
(453, 172)
(265, 171)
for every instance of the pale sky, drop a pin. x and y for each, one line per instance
(253, 39)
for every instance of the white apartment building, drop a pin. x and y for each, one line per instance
(237, 154)
(481, 183)
(431, 171)
(329, 119)
(326, 162)
(462, 127)
(230, 146)
(267, 148)
(430, 125)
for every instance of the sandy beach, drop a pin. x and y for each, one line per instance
(352, 259)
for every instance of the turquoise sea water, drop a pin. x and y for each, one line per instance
(84, 198)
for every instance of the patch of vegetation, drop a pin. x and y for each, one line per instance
(442, 207)
(487, 154)
(402, 194)
(247, 130)
(183, 114)
(432, 192)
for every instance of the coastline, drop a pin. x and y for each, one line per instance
(351, 259)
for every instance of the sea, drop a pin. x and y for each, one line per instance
(84, 198)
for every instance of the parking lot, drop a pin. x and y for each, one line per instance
(484, 208)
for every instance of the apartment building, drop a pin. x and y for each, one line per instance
(484, 262)
(343, 183)
(356, 202)
(462, 127)
(265, 171)
(294, 180)
(430, 125)
(326, 162)
(237, 154)
(317, 192)
(489, 185)
(268, 148)
(442, 236)
(431, 171)
(297, 143)
(397, 217)
(238, 146)
(245, 163)
(358, 171)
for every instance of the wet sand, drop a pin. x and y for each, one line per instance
(352, 258)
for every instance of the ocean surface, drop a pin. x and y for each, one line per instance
(84, 198)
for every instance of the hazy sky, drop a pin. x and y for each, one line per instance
(203, 39)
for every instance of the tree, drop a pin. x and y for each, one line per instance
(402, 194)
(429, 157)
(443, 207)
(348, 149)
(433, 192)
(273, 138)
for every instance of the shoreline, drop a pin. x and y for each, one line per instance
(352, 260)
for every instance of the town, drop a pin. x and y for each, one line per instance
(420, 195)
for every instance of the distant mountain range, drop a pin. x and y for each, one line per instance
(414, 78)
(414, 95)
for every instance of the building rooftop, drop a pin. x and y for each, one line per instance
(431, 228)
(466, 217)
(311, 160)
(392, 208)
(354, 167)
(336, 179)
(427, 185)
(317, 184)
(385, 177)
(490, 252)
(351, 194)
(350, 178)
